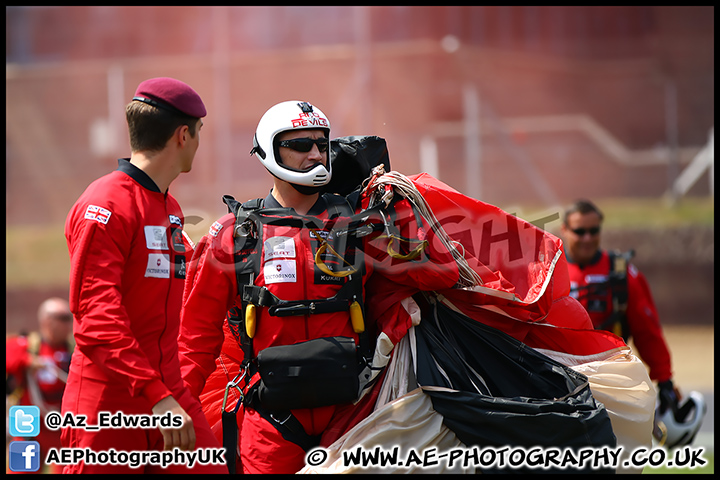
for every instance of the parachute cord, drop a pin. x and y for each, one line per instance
(396, 181)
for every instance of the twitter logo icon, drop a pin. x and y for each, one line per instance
(24, 421)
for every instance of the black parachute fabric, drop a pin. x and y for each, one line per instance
(353, 159)
(505, 393)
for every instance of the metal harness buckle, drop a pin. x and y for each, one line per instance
(281, 422)
(235, 383)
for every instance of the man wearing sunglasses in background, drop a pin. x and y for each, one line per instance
(618, 301)
(36, 367)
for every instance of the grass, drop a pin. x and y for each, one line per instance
(37, 254)
(632, 213)
(658, 212)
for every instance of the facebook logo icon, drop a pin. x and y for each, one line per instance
(24, 421)
(24, 456)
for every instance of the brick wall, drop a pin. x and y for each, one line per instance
(73, 69)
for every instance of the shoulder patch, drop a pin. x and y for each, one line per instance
(99, 214)
(221, 240)
(227, 221)
(215, 228)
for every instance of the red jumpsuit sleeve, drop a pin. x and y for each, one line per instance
(645, 328)
(99, 253)
(210, 290)
(17, 357)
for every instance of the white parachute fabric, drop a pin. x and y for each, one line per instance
(406, 424)
(620, 381)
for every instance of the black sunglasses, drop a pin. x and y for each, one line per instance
(580, 232)
(305, 144)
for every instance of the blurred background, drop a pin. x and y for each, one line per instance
(526, 108)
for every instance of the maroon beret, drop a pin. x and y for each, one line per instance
(171, 94)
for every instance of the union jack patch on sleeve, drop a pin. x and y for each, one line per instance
(99, 214)
(215, 228)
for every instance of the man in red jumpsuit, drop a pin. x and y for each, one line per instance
(36, 367)
(589, 268)
(128, 255)
(291, 141)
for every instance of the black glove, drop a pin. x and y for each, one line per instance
(667, 396)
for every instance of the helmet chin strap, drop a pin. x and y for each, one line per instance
(305, 190)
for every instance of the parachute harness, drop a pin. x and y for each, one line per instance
(384, 185)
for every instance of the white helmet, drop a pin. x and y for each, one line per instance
(291, 115)
(677, 426)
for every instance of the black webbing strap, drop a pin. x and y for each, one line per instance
(230, 436)
(262, 297)
(617, 282)
(283, 420)
(290, 428)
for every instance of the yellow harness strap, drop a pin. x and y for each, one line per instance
(321, 264)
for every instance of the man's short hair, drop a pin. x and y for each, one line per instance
(583, 207)
(150, 127)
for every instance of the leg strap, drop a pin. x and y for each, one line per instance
(291, 429)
